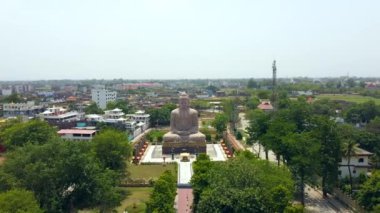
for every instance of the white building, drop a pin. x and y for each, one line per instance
(22, 109)
(6, 92)
(114, 115)
(76, 134)
(60, 114)
(359, 164)
(102, 96)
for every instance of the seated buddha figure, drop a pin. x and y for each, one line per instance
(184, 123)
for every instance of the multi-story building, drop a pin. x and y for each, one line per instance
(28, 109)
(59, 114)
(102, 96)
(359, 164)
(140, 117)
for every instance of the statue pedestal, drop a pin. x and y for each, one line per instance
(181, 147)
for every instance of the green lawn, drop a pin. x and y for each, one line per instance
(350, 98)
(150, 171)
(135, 202)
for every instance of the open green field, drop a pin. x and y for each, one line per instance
(350, 98)
(150, 171)
(135, 202)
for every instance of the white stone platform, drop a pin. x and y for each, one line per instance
(154, 154)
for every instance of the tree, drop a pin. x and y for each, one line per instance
(325, 131)
(374, 126)
(349, 147)
(18, 200)
(220, 123)
(273, 139)
(303, 150)
(163, 195)
(33, 132)
(121, 104)
(243, 184)
(200, 180)
(93, 109)
(258, 126)
(369, 194)
(161, 116)
(112, 148)
(63, 175)
(252, 83)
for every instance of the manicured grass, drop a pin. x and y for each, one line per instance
(350, 98)
(135, 202)
(150, 171)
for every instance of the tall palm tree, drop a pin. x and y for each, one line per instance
(349, 147)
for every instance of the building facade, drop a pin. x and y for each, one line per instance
(359, 164)
(102, 96)
(28, 109)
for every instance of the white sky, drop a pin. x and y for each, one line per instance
(148, 39)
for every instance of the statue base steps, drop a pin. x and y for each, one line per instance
(182, 147)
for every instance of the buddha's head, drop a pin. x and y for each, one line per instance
(184, 101)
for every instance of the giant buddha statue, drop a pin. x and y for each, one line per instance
(184, 135)
(184, 123)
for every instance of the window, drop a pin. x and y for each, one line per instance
(339, 172)
(354, 171)
(361, 160)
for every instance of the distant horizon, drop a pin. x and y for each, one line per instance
(179, 79)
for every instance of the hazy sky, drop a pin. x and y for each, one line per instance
(147, 39)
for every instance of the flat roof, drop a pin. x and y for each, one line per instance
(76, 131)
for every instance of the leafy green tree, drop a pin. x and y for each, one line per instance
(200, 180)
(273, 139)
(325, 131)
(161, 116)
(263, 94)
(244, 184)
(374, 126)
(258, 126)
(220, 123)
(348, 150)
(18, 201)
(121, 104)
(303, 150)
(112, 148)
(369, 194)
(33, 132)
(63, 175)
(93, 109)
(252, 83)
(13, 98)
(164, 192)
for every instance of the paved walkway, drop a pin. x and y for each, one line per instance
(185, 172)
(184, 200)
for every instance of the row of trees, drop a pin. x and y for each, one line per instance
(243, 184)
(64, 175)
(163, 195)
(307, 142)
(306, 138)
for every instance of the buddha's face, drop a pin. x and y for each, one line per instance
(184, 103)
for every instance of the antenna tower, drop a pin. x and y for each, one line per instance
(274, 84)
